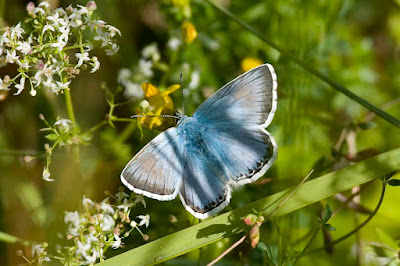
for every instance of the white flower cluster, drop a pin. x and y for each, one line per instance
(102, 225)
(43, 51)
(143, 71)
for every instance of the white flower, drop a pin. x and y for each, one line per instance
(96, 64)
(90, 259)
(125, 205)
(24, 47)
(11, 57)
(103, 37)
(145, 67)
(117, 243)
(174, 43)
(37, 249)
(83, 248)
(113, 30)
(49, 84)
(39, 10)
(133, 90)
(151, 52)
(46, 72)
(23, 64)
(64, 124)
(72, 218)
(46, 175)
(106, 222)
(44, 4)
(107, 207)
(4, 38)
(90, 237)
(86, 202)
(194, 80)
(82, 57)
(48, 27)
(82, 10)
(133, 224)
(20, 86)
(4, 86)
(144, 220)
(62, 85)
(113, 50)
(55, 18)
(16, 31)
(59, 45)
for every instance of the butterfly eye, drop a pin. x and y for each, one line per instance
(178, 117)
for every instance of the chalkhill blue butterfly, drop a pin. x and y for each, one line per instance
(222, 146)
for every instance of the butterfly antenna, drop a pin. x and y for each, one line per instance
(183, 105)
(164, 116)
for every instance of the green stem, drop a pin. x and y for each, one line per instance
(366, 220)
(308, 244)
(360, 225)
(70, 108)
(313, 71)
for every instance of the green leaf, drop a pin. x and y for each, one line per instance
(329, 227)
(394, 182)
(327, 213)
(229, 223)
(51, 136)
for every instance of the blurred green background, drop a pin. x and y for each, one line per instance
(356, 43)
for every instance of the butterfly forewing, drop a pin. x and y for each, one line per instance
(248, 100)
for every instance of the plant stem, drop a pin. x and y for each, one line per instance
(237, 243)
(360, 225)
(308, 245)
(311, 70)
(70, 108)
(366, 221)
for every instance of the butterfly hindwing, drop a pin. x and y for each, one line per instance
(204, 190)
(156, 171)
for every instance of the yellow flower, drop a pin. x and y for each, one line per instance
(180, 3)
(250, 63)
(158, 103)
(189, 33)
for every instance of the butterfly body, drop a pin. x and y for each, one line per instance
(222, 146)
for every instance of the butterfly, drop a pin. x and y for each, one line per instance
(224, 145)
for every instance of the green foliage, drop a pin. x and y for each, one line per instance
(332, 59)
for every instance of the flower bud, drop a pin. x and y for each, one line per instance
(39, 65)
(30, 7)
(145, 237)
(19, 253)
(91, 6)
(254, 236)
(250, 219)
(69, 9)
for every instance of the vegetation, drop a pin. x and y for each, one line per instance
(74, 72)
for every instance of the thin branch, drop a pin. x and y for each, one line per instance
(237, 243)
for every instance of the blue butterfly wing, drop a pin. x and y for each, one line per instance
(236, 117)
(204, 190)
(248, 100)
(156, 171)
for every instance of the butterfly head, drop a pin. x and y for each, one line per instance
(178, 117)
